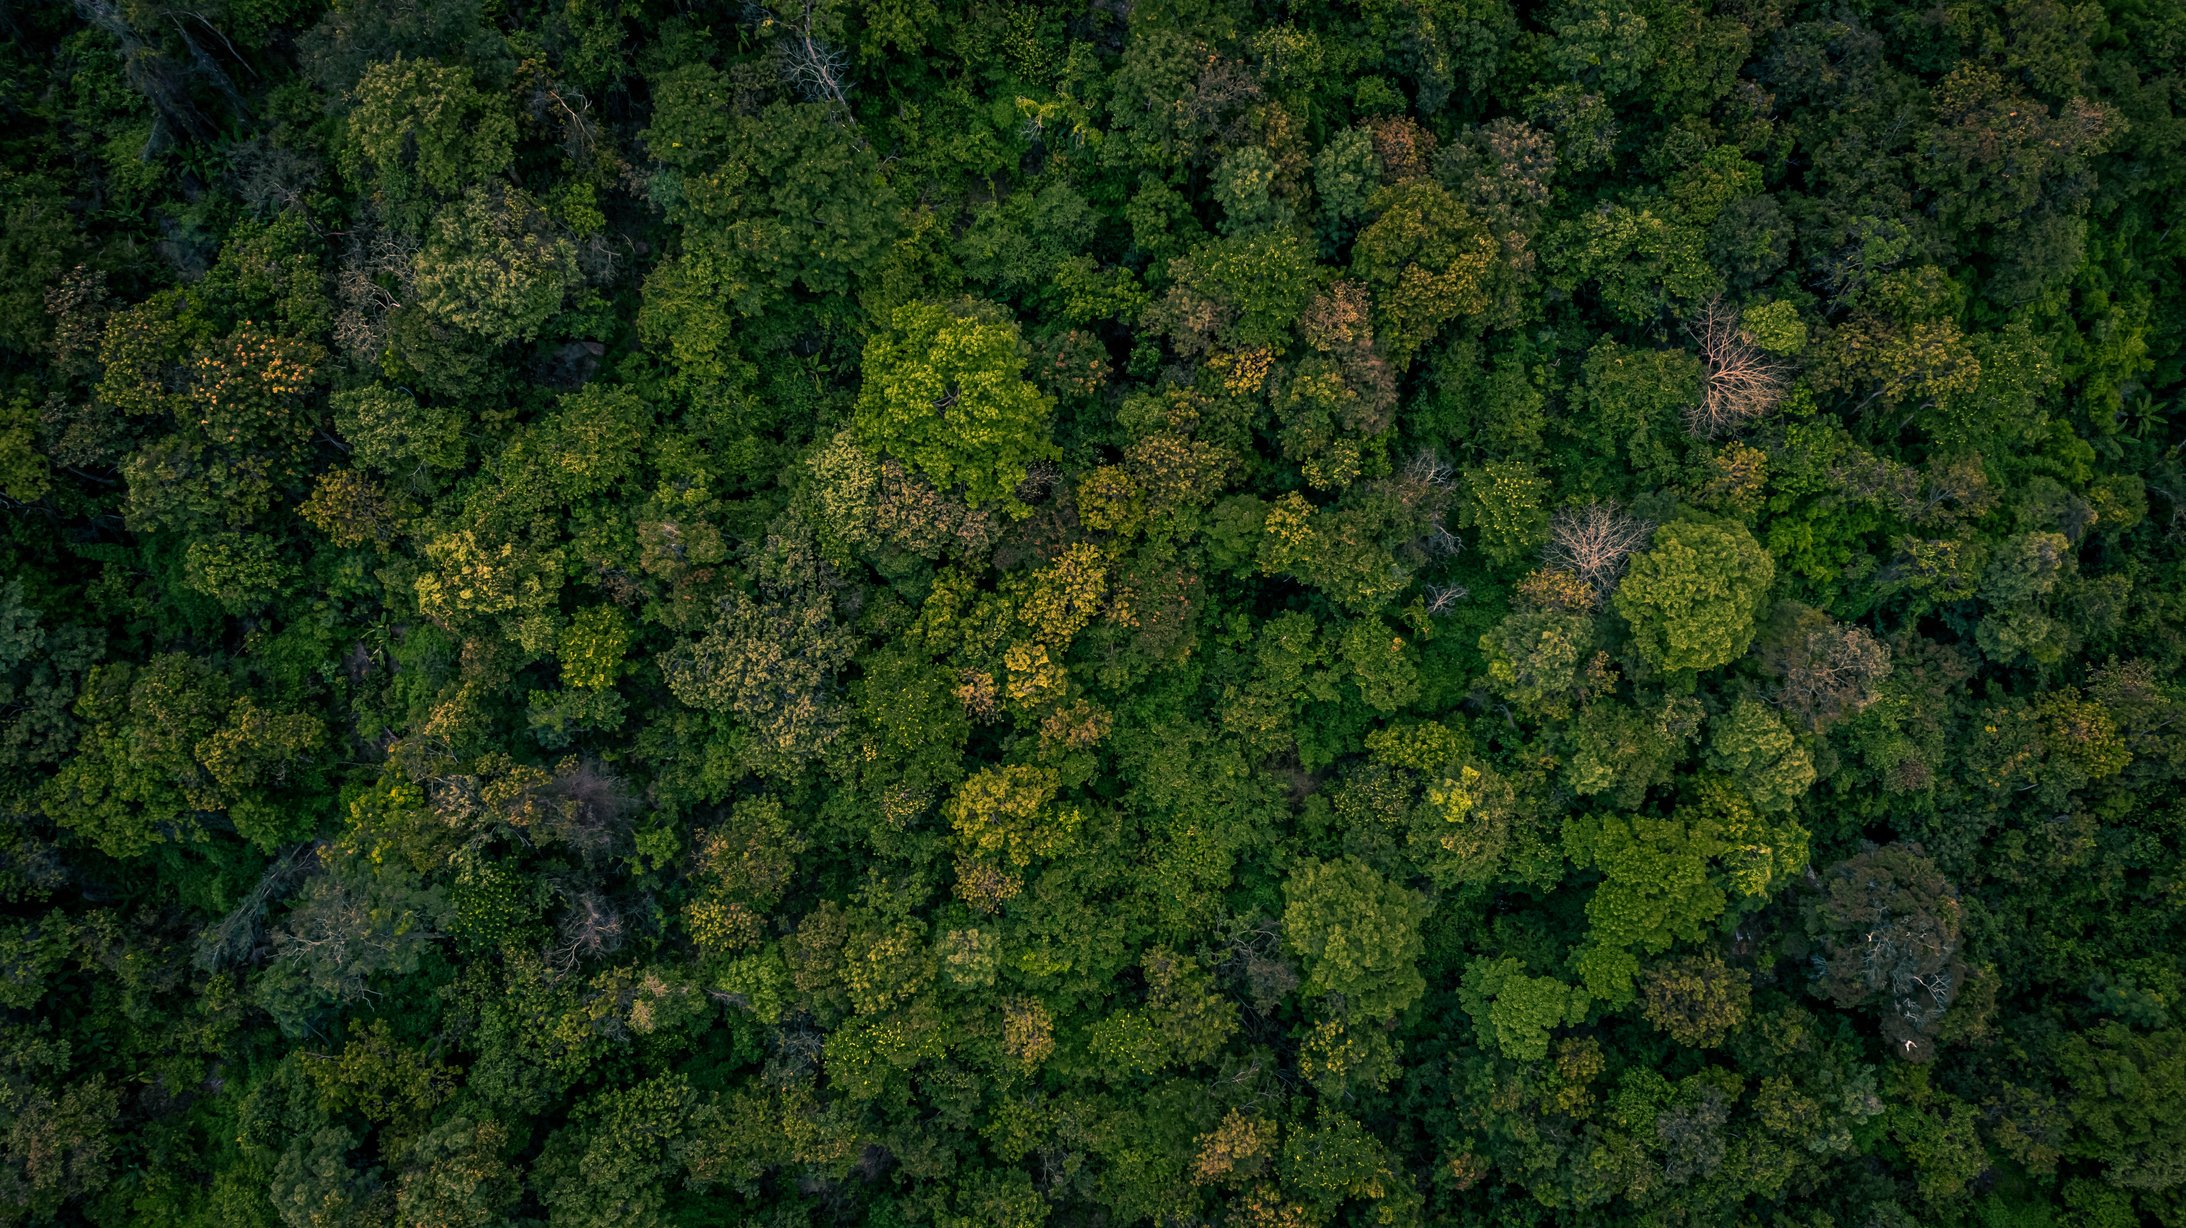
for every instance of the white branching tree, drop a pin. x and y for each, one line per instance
(1743, 384)
(802, 30)
(1593, 542)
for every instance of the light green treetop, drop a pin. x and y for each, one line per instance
(1515, 1012)
(945, 391)
(1760, 752)
(1692, 598)
(1358, 934)
(420, 128)
(492, 265)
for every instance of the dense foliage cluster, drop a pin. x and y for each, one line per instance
(981, 613)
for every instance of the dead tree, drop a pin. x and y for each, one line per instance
(591, 928)
(811, 66)
(1743, 383)
(1442, 598)
(1593, 542)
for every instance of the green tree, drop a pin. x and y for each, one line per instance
(1428, 260)
(1657, 888)
(2123, 1103)
(136, 780)
(390, 433)
(315, 1183)
(1514, 1013)
(493, 266)
(1184, 1021)
(1696, 1000)
(1345, 174)
(1357, 933)
(592, 647)
(1383, 666)
(458, 1174)
(1645, 254)
(1635, 403)
(614, 1164)
(240, 571)
(1753, 745)
(419, 129)
(1506, 502)
(769, 663)
(770, 204)
(1691, 598)
(1621, 752)
(1005, 818)
(945, 390)
(1245, 186)
(1538, 660)
(1886, 925)
(1238, 293)
(345, 935)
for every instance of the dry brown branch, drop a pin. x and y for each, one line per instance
(1743, 383)
(1593, 542)
(377, 266)
(1831, 672)
(591, 927)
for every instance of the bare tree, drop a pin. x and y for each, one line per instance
(1832, 670)
(1442, 598)
(376, 274)
(591, 927)
(1439, 541)
(1424, 484)
(586, 809)
(813, 67)
(235, 938)
(1427, 469)
(1743, 382)
(552, 101)
(164, 82)
(346, 928)
(1593, 542)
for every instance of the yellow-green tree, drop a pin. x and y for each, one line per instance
(945, 391)
(1357, 933)
(1692, 597)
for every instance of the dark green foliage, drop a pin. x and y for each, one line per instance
(984, 614)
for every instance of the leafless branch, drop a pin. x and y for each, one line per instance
(1593, 542)
(235, 937)
(1743, 383)
(1427, 469)
(590, 928)
(1442, 598)
(813, 67)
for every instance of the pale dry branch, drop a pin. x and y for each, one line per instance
(1427, 469)
(234, 939)
(591, 928)
(1442, 598)
(1593, 543)
(1743, 383)
(813, 68)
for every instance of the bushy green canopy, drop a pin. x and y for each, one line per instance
(945, 391)
(1691, 598)
(1000, 614)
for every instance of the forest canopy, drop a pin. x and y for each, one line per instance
(984, 614)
